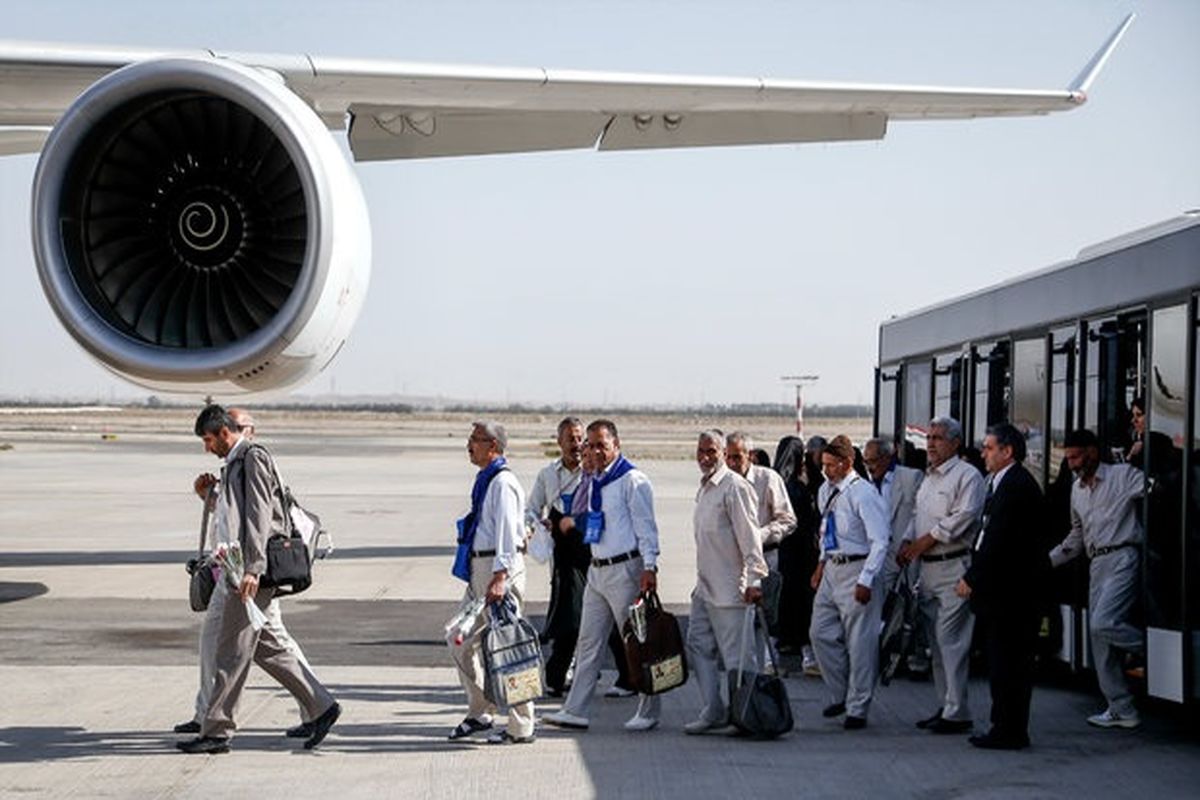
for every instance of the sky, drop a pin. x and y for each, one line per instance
(684, 276)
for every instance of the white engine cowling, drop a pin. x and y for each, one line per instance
(197, 229)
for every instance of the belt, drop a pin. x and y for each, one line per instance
(490, 553)
(623, 557)
(769, 547)
(966, 551)
(838, 558)
(1103, 551)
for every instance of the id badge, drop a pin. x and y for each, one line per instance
(460, 524)
(567, 499)
(829, 539)
(594, 527)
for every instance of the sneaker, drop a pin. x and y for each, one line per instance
(1111, 719)
(561, 719)
(618, 691)
(639, 723)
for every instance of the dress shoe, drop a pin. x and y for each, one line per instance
(833, 710)
(471, 726)
(854, 723)
(322, 724)
(209, 745)
(925, 724)
(504, 737)
(561, 719)
(990, 741)
(639, 723)
(943, 725)
(191, 726)
(301, 731)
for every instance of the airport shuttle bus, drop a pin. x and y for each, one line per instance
(1077, 345)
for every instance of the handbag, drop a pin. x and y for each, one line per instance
(512, 657)
(200, 568)
(758, 703)
(654, 650)
(289, 566)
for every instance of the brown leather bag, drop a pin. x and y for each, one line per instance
(657, 659)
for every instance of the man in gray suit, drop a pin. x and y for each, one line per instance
(249, 511)
(898, 485)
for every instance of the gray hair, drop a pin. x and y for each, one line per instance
(740, 437)
(495, 431)
(886, 447)
(713, 435)
(950, 425)
(569, 422)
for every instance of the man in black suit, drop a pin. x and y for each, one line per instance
(1003, 585)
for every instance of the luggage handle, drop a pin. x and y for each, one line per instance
(753, 613)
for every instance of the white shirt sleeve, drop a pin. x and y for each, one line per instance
(875, 519)
(506, 510)
(641, 513)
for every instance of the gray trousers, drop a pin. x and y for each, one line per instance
(715, 632)
(210, 629)
(845, 637)
(468, 656)
(949, 624)
(606, 601)
(237, 646)
(1111, 595)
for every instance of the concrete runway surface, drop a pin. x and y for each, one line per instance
(98, 646)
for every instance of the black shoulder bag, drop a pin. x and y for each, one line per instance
(289, 569)
(200, 568)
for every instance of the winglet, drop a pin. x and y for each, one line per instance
(1079, 86)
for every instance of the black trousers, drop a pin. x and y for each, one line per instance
(798, 557)
(1011, 639)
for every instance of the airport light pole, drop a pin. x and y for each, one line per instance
(799, 381)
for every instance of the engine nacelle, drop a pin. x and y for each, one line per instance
(197, 229)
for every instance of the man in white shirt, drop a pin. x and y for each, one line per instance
(619, 525)
(1105, 527)
(549, 501)
(845, 623)
(773, 511)
(729, 572)
(949, 507)
(897, 485)
(490, 560)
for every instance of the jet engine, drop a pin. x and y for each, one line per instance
(197, 228)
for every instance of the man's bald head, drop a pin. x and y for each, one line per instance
(243, 420)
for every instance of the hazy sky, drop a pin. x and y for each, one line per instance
(698, 275)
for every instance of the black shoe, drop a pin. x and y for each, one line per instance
(834, 710)
(942, 725)
(191, 726)
(854, 723)
(990, 741)
(322, 724)
(301, 731)
(210, 745)
(554, 691)
(467, 727)
(926, 724)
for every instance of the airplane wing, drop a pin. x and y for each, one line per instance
(408, 110)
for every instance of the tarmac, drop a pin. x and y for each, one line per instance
(98, 645)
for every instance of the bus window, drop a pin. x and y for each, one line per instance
(918, 404)
(1029, 402)
(1161, 454)
(991, 389)
(1114, 360)
(947, 386)
(1062, 395)
(885, 403)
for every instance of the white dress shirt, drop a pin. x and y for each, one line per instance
(774, 514)
(501, 523)
(949, 505)
(728, 548)
(628, 505)
(1103, 514)
(552, 482)
(862, 523)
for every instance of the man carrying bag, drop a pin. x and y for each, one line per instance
(758, 703)
(654, 650)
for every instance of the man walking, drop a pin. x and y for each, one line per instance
(845, 621)
(729, 571)
(1105, 527)
(949, 504)
(249, 511)
(1003, 584)
(619, 525)
(489, 560)
(773, 511)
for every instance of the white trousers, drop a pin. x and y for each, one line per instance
(845, 636)
(1112, 591)
(949, 624)
(606, 599)
(468, 656)
(210, 634)
(714, 637)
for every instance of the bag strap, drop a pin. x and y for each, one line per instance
(762, 620)
(288, 528)
(208, 496)
(747, 634)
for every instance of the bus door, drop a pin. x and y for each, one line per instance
(990, 388)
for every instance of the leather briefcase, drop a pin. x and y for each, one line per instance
(654, 648)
